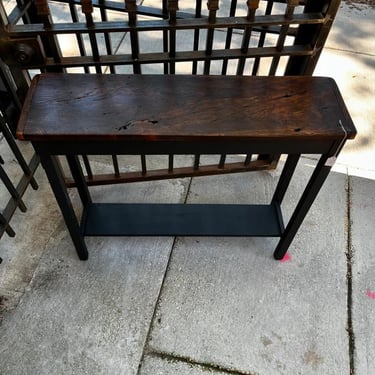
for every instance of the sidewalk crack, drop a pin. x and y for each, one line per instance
(157, 303)
(204, 365)
(349, 258)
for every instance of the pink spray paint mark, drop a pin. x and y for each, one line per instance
(370, 294)
(286, 258)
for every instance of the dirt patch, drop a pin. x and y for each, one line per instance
(3, 306)
(7, 303)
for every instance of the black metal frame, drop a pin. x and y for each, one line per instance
(16, 190)
(100, 219)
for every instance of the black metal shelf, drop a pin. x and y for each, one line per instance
(112, 219)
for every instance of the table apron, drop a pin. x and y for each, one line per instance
(311, 146)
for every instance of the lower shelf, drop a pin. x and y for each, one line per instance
(112, 219)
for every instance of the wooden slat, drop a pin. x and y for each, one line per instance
(23, 31)
(181, 172)
(194, 56)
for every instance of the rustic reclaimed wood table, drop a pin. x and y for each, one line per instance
(70, 115)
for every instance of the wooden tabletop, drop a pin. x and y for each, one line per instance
(176, 107)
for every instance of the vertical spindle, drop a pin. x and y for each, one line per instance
(131, 8)
(86, 162)
(165, 34)
(143, 164)
(50, 42)
(107, 39)
(213, 6)
(196, 161)
(81, 45)
(247, 159)
(170, 163)
(198, 14)
(172, 9)
(262, 39)
(252, 6)
(228, 40)
(115, 165)
(222, 161)
(88, 10)
(291, 4)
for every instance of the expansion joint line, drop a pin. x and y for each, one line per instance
(349, 257)
(154, 313)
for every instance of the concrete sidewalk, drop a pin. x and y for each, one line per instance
(162, 306)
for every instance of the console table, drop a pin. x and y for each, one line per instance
(74, 114)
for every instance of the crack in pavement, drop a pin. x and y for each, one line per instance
(349, 257)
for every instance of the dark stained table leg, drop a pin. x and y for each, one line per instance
(52, 168)
(285, 178)
(312, 189)
(79, 178)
